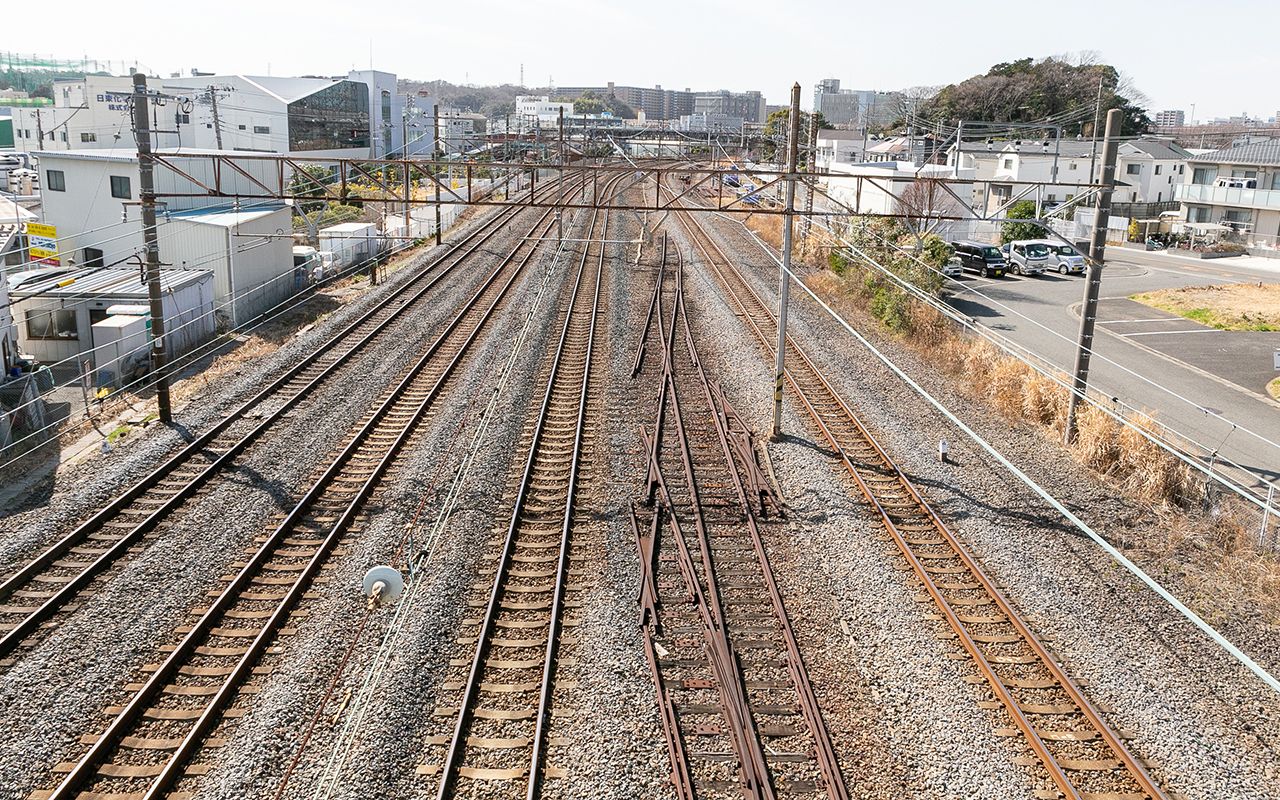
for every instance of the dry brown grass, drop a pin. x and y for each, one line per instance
(1231, 307)
(1212, 556)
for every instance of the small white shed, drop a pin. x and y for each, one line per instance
(57, 316)
(250, 253)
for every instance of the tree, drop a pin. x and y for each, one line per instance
(309, 181)
(927, 205)
(776, 131)
(588, 103)
(1054, 89)
(1015, 230)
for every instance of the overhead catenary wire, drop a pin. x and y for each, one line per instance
(952, 313)
(1064, 337)
(207, 348)
(1225, 644)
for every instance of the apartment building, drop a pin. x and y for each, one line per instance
(1170, 119)
(749, 106)
(1236, 186)
(656, 103)
(855, 108)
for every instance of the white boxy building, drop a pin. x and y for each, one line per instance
(355, 116)
(66, 314)
(91, 200)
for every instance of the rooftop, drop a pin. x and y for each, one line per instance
(228, 219)
(97, 281)
(1162, 149)
(1259, 153)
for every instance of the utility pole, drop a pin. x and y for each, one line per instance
(1097, 114)
(217, 125)
(404, 153)
(435, 156)
(784, 275)
(147, 194)
(810, 165)
(1093, 280)
(39, 130)
(559, 206)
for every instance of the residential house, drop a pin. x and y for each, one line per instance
(1238, 186)
(1147, 170)
(840, 147)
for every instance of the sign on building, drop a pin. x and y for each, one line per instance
(42, 243)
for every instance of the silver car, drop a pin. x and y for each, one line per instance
(1064, 258)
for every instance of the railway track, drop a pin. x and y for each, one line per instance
(1069, 745)
(498, 742)
(739, 714)
(149, 745)
(50, 583)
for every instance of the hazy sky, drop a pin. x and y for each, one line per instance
(702, 44)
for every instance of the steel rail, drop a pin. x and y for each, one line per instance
(824, 749)
(87, 768)
(757, 315)
(323, 358)
(570, 338)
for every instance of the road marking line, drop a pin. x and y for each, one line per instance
(1162, 333)
(1155, 319)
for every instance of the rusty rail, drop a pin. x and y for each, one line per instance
(1080, 753)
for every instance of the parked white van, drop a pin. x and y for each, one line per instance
(1026, 257)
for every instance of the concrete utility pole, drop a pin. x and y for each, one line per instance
(1093, 280)
(147, 194)
(559, 207)
(435, 156)
(810, 166)
(217, 125)
(784, 276)
(39, 131)
(1097, 113)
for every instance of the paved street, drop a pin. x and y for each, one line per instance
(1198, 380)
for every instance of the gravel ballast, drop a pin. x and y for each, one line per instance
(1166, 681)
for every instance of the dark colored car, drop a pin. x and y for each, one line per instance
(984, 259)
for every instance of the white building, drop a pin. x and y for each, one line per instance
(891, 187)
(1238, 187)
(68, 314)
(1147, 169)
(539, 111)
(356, 116)
(87, 113)
(1172, 118)
(840, 147)
(711, 123)
(90, 199)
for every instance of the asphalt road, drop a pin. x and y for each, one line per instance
(1206, 384)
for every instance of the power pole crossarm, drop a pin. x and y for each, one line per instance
(147, 196)
(1093, 279)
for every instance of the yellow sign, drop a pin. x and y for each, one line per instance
(42, 243)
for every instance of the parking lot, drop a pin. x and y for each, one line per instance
(1193, 377)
